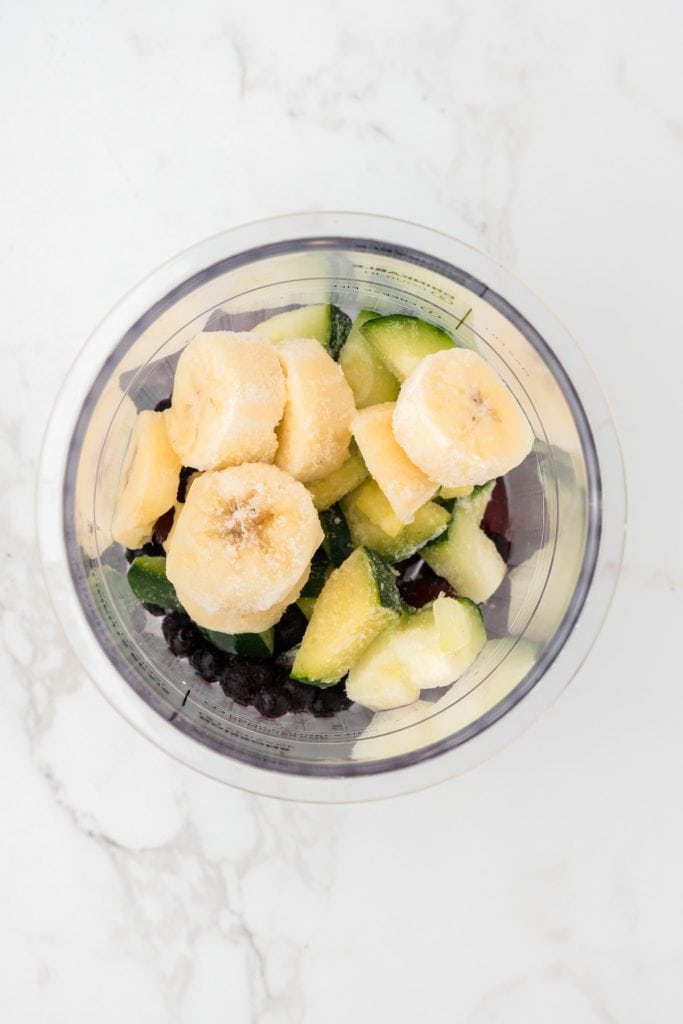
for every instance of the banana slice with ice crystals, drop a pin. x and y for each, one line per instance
(458, 422)
(228, 397)
(242, 548)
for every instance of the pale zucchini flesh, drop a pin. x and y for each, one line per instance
(358, 601)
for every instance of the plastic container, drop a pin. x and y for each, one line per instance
(567, 505)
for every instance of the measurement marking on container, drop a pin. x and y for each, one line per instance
(185, 699)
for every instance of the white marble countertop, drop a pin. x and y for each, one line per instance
(545, 885)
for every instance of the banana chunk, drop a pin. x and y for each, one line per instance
(228, 397)
(405, 487)
(232, 621)
(315, 431)
(148, 481)
(458, 422)
(242, 548)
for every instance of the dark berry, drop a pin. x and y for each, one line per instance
(185, 640)
(240, 688)
(420, 592)
(243, 679)
(502, 544)
(265, 672)
(171, 623)
(497, 517)
(181, 635)
(272, 702)
(329, 701)
(152, 548)
(301, 695)
(286, 659)
(162, 527)
(165, 403)
(411, 568)
(208, 663)
(153, 609)
(290, 629)
(183, 478)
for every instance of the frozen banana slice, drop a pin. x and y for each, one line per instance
(405, 487)
(315, 431)
(234, 622)
(242, 548)
(228, 398)
(458, 422)
(148, 482)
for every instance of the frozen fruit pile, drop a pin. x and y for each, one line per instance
(306, 511)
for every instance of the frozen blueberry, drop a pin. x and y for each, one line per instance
(153, 609)
(165, 403)
(290, 629)
(272, 702)
(243, 679)
(171, 623)
(208, 663)
(181, 635)
(301, 695)
(329, 701)
(185, 640)
(266, 672)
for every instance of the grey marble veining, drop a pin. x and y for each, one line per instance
(545, 885)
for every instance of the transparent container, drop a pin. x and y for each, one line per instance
(567, 505)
